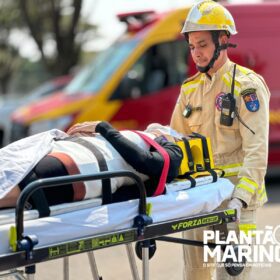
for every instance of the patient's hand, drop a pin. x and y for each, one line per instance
(83, 129)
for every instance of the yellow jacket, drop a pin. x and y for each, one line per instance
(235, 148)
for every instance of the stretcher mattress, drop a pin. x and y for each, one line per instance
(102, 219)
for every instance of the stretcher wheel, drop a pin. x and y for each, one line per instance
(235, 268)
(151, 243)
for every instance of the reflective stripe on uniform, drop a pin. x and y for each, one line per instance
(227, 79)
(262, 194)
(249, 181)
(231, 169)
(245, 187)
(247, 184)
(244, 70)
(247, 227)
(191, 86)
(189, 90)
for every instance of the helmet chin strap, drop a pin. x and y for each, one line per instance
(218, 48)
(215, 56)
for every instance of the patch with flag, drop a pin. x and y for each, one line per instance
(251, 99)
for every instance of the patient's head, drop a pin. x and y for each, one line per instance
(158, 130)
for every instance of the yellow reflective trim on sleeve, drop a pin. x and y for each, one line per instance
(188, 91)
(250, 182)
(245, 187)
(190, 87)
(262, 194)
(263, 197)
(262, 189)
(191, 83)
(247, 227)
(231, 169)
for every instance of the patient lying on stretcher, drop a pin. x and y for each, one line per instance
(123, 150)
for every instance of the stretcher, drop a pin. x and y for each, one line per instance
(89, 226)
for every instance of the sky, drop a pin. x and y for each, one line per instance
(103, 13)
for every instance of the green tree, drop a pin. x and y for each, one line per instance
(9, 55)
(56, 27)
(9, 62)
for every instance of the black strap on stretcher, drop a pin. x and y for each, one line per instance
(206, 159)
(189, 154)
(190, 164)
(205, 150)
(206, 156)
(39, 198)
(106, 183)
(41, 204)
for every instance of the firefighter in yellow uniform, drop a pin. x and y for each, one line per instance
(230, 104)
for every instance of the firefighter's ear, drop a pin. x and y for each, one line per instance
(223, 38)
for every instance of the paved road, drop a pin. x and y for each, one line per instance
(167, 262)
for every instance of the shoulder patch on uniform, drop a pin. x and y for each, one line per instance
(251, 100)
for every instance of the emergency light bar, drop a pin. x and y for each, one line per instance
(136, 21)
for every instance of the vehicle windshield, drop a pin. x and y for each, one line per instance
(94, 75)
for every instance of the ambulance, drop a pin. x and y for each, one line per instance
(137, 80)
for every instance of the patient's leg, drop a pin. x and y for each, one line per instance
(11, 198)
(46, 168)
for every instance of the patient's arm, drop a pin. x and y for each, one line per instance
(147, 162)
(10, 199)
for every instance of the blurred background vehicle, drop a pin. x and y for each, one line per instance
(8, 106)
(137, 80)
(122, 84)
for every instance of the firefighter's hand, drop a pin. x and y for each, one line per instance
(237, 204)
(85, 128)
